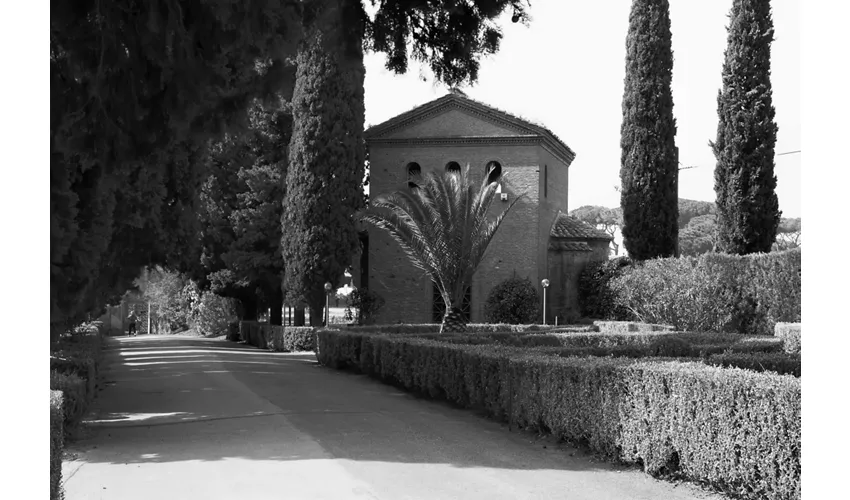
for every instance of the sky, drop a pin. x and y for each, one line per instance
(566, 69)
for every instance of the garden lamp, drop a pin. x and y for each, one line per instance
(328, 288)
(545, 284)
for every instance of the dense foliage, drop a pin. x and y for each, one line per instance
(326, 156)
(168, 294)
(366, 302)
(649, 169)
(595, 297)
(710, 293)
(57, 444)
(513, 301)
(747, 206)
(136, 89)
(212, 314)
(441, 224)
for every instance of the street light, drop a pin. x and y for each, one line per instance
(328, 288)
(545, 284)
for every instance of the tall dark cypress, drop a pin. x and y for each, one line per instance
(649, 158)
(747, 206)
(326, 153)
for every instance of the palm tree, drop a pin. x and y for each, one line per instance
(441, 224)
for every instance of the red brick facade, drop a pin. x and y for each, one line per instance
(454, 128)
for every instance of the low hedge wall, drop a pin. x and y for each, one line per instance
(790, 334)
(470, 328)
(779, 362)
(737, 430)
(278, 338)
(74, 400)
(57, 444)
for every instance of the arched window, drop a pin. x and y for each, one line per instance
(493, 171)
(414, 171)
(453, 166)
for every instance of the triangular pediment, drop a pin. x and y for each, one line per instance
(453, 122)
(457, 116)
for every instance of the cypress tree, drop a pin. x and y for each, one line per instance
(326, 153)
(747, 206)
(649, 158)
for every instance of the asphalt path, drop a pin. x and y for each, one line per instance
(190, 418)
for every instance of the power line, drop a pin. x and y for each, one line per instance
(788, 153)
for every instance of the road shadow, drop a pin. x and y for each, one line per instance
(170, 399)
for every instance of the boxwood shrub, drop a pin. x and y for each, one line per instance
(74, 401)
(778, 362)
(735, 429)
(278, 338)
(790, 334)
(57, 440)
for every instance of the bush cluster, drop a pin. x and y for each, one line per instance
(278, 338)
(416, 329)
(709, 293)
(790, 334)
(737, 430)
(596, 299)
(513, 301)
(75, 400)
(213, 314)
(367, 304)
(57, 443)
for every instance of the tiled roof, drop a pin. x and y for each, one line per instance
(570, 246)
(458, 99)
(572, 228)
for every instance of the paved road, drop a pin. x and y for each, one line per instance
(188, 418)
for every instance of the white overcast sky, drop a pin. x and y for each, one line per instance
(566, 71)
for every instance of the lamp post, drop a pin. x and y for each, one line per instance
(545, 284)
(328, 288)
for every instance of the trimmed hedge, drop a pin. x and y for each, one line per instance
(74, 400)
(470, 328)
(790, 334)
(278, 338)
(737, 430)
(57, 444)
(292, 338)
(630, 327)
(82, 367)
(781, 363)
(711, 293)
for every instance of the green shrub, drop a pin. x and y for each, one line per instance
(596, 299)
(366, 302)
(778, 362)
(738, 430)
(74, 401)
(291, 338)
(790, 334)
(513, 301)
(214, 314)
(57, 440)
(427, 328)
(712, 292)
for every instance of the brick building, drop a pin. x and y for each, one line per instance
(537, 240)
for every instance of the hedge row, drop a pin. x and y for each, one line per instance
(278, 338)
(712, 292)
(74, 366)
(57, 444)
(737, 430)
(781, 363)
(639, 343)
(790, 334)
(470, 328)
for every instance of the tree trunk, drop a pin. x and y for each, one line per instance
(453, 321)
(276, 306)
(299, 316)
(249, 307)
